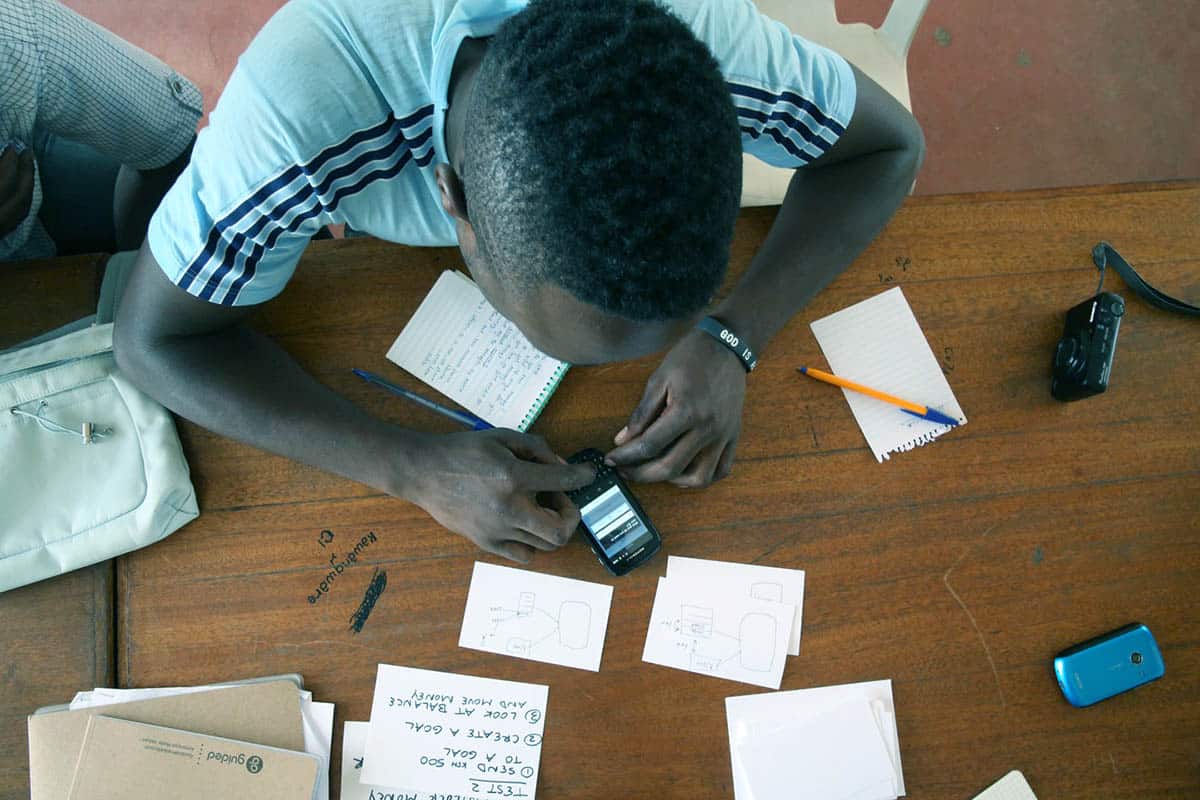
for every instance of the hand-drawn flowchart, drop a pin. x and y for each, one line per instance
(540, 617)
(723, 633)
(524, 628)
(774, 584)
(709, 649)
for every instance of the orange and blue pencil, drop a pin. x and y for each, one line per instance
(916, 409)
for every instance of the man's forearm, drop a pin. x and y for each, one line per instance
(241, 384)
(830, 214)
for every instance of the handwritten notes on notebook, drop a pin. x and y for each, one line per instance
(461, 346)
(878, 343)
(448, 734)
(525, 614)
(719, 631)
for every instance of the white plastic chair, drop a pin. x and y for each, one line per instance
(881, 53)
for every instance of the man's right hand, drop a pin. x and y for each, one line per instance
(501, 489)
(16, 188)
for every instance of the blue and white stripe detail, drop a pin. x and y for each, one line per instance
(301, 194)
(793, 122)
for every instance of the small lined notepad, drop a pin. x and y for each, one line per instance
(878, 343)
(461, 346)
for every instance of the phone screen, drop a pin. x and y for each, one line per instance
(617, 527)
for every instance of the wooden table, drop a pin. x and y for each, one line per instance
(957, 570)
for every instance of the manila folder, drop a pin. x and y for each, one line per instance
(121, 759)
(264, 713)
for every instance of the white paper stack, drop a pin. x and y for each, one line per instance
(317, 717)
(734, 621)
(831, 743)
(445, 735)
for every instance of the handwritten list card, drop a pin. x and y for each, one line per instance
(461, 346)
(458, 735)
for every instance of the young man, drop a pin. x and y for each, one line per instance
(93, 132)
(585, 156)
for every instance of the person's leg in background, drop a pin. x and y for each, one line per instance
(136, 196)
(92, 203)
(77, 195)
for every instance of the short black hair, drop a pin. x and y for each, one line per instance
(603, 154)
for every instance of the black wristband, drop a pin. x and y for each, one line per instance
(721, 332)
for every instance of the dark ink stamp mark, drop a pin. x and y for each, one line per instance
(902, 264)
(374, 589)
(338, 566)
(947, 360)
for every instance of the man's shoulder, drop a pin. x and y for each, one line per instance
(319, 70)
(346, 46)
(745, 42)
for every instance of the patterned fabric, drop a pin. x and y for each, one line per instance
(335, 115)
(67, 76)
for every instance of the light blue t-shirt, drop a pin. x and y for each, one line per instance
(335, 114)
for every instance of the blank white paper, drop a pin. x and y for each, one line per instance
(719, 631)
(837, 754)
(318, 738)
(445, 733)
(1012, 786)
(354, 745)
(515, 612)
(461, 346)
(748, 715)
(764, 583)
(879, 344)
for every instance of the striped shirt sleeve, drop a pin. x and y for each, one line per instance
(794, 98)
(294, 134)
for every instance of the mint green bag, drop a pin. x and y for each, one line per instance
(90, 467)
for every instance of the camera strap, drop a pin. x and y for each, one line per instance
(1105, 255)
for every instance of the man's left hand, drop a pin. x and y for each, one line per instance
(685, 429)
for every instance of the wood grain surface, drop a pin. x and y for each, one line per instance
(56, 638)
(957, 569)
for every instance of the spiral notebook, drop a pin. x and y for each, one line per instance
(461, 346)
(878, 343)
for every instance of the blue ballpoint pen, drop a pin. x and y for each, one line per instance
(465, 417)
(917, 410)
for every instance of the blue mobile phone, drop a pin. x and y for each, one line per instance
(1107, 665)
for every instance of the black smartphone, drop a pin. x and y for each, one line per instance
(613, 521)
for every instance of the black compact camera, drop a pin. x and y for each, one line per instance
(1083, 359)
(1084, 356)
